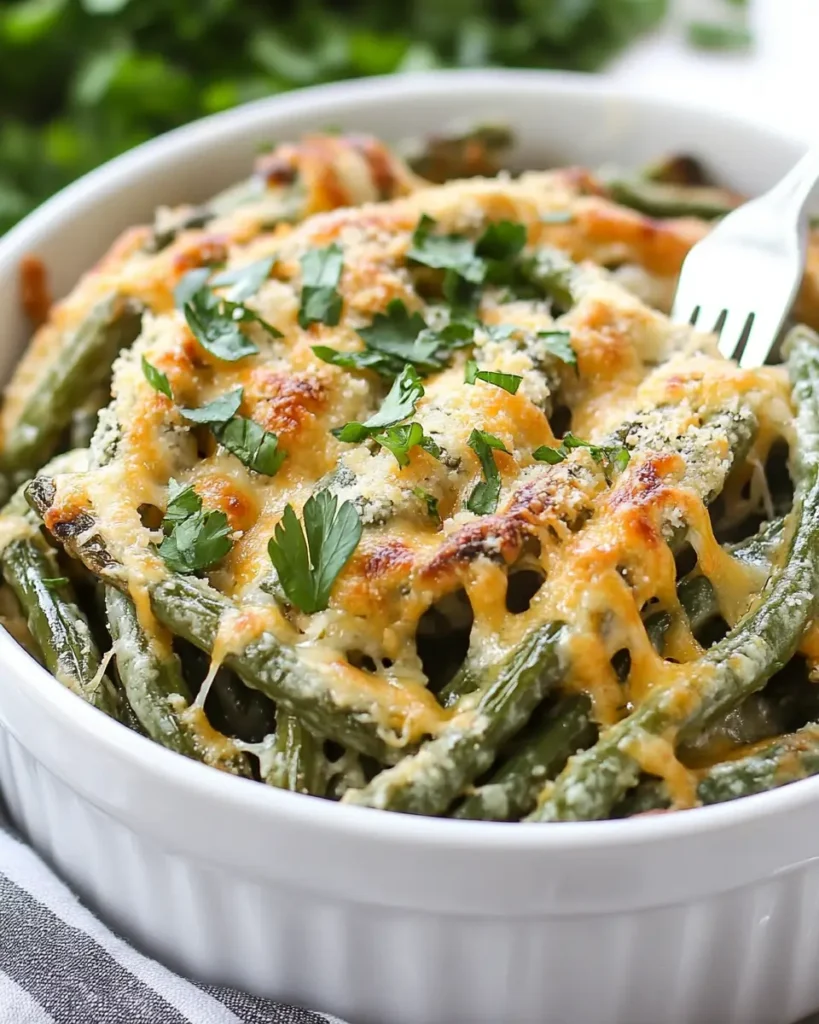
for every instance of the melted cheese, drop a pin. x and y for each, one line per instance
(603, 540)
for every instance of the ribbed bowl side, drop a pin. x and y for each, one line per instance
(747, 956)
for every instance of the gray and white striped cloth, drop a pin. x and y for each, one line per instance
(60, 965)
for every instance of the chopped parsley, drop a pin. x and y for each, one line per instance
(309, 558)
(397, 338)
(558, 343)
(400, 403)
(218, 411)
(216, 321)
(454, 254)
(485, 494)
(189, 284)
(508, 381)
(255, 447)
(610, 456)
(430, 501)
(496, 258)
(399, 440)
(157, 379)
(195, 539)
(244, 282)
(320, 275)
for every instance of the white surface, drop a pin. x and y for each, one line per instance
(775, 83)
(693, 918)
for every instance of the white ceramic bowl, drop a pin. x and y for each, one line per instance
(700, 917)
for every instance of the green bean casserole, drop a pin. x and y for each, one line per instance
(393, 484)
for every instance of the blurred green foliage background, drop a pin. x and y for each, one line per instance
(82, 80)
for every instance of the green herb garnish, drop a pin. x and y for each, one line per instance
(399, 440)
(195, 539)
(255, 447)
(157, 379)
(218, 411)
(216, 324)
(308, 559)
(397, 338)
(245, 281)
(485, 494)
(320, 275)
(508, 381)
(398, 405)
(559, 344)
(55, 582)
(430, 501)
(611, 457)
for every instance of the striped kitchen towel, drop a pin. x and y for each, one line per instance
(60, 965)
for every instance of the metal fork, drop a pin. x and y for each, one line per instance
(741, 279)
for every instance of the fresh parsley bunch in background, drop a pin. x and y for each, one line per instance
(82, 80)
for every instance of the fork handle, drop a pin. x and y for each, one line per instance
(796, 188)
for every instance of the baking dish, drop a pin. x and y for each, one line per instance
(378, 917)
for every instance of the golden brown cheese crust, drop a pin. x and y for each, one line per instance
(602, 544)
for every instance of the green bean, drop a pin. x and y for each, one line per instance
(787, 759)
(156, 688)
(298, 762)
(191, 609)
(657, 199)
(763, 641)
(83, 361)
(57, 624)
(428, 782)
(512, 790)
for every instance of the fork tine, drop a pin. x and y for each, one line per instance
(763, 334)
(708, 316)
(732, 333)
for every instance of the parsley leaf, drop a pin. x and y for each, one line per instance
(189, 284)
(508, 381)
(454, 253)
(218, 411)
(430, 501)
(500, 246)
(320, 274)
(157, 379)
(547, 454)
(252, 445)
(255, 447)
(399, 440)
(197, 542)
(493, 259)
(183, 501)
(610, 456)
(398, 337)
(309, 560)
(398, 405)
(217, 329)
(244, 281)
(558, 343)
(485, 494)
(194, 539)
